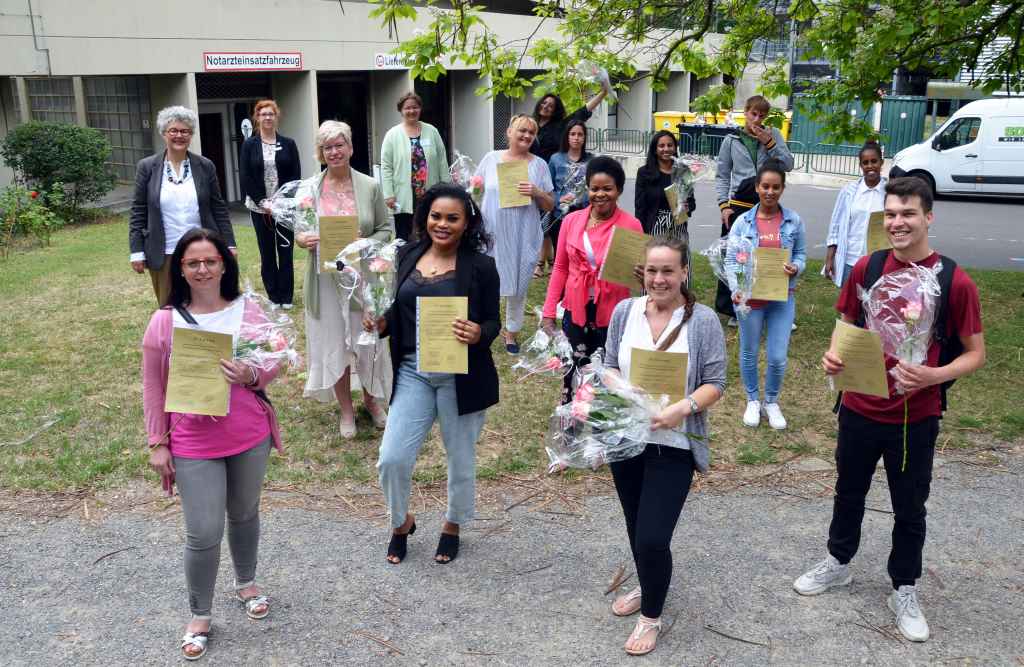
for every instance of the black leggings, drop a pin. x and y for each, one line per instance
(652, 488)
(584, 340)
(276, 246)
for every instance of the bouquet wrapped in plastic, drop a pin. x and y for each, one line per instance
(576, 185)
(292, 206)
(545, 354)
(732, 262)
(463, 173)
(270, 342)
(592, 73)
(608, 420)
(901, 306)
(687, 170)
(366, 267)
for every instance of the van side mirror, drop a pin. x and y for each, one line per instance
(937, 143)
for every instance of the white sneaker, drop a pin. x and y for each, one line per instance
(823, 576)
(774, 414)
(909, 617)
(733, 322)
(287, 306)
(752, 415)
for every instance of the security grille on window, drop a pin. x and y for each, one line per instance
(15, 102)
(51, 99)
(502, 109)
(234, 86)
(118, 106)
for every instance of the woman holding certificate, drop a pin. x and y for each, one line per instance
(440, 329)
(776, 235)
(665, 340)
(582, 246)
(517, 187)
(849, 231)
(340, 194)
(651, 204)
(217, 463)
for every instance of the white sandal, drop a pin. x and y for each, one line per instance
(643, 626)
(198, 639)
(631, 602)
(252, 602)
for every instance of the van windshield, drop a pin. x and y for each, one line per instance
(960, 132)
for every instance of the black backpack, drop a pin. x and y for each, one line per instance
(950, 347)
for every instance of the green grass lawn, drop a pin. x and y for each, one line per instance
(72, 317)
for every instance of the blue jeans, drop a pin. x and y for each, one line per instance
(419, 399)
(777, 318)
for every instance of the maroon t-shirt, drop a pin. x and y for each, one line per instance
(963, 319)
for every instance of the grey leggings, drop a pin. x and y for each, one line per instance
(209, 488)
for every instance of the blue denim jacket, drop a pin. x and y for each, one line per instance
(791, 231)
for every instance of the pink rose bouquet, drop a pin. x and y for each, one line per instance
(545, 354)
(732, 262)
(270, 341)
(292, 206)
(463, 174)
(367, 272)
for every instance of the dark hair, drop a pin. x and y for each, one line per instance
(557, 115)
(575, 122)
(652, 150)
(910, 186)
(409, 96)
(181, 294)
(602, 164)
(759, 102)
(475, 237)
(770, 166)
(682, 248)
(869, 145)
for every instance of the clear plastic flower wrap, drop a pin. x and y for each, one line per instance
(463, 173)
(576, 185)
(608, 420)
(590, 72)
(545, 354)
(292, 206)
(901, 306)
(732, 262)
(269, 342)
(687, 170)
(366, 269)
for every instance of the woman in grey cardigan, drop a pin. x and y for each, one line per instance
(652, 486)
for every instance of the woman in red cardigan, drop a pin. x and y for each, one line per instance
(582, 244)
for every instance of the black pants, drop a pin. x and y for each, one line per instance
(276, 245)
(652, 488)
(584, 340)
(861, 442)
(403, 226)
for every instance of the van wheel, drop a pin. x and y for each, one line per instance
(927, 178)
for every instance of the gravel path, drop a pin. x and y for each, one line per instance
(528, 587)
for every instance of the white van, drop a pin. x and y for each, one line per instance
(979, 150)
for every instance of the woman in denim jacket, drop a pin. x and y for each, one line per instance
(768, 224)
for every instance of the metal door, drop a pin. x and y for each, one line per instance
(902, 122)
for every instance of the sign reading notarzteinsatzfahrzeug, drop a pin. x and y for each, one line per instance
(251, 61)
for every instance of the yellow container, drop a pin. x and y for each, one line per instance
(739, 119)
(668, 120)
(689, 117)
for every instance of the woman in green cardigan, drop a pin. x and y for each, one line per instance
(412, 159)
(332, 325)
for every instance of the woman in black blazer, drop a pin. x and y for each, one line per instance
(447, 260)
(268, 161)
(651, 206)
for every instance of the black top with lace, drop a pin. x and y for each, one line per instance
(416, 286)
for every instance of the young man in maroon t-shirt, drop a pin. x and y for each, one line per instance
(871, 427)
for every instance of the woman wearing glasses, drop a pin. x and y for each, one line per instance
(268, 161)
(175, 191)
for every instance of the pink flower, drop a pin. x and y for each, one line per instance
(585, 393)
(278, 343)
(552, 364)
(305, 203)
(380, 265)
(477, 181)
(580, 410)
(912, 311)
(741, 258)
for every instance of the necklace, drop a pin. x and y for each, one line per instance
(443, 265)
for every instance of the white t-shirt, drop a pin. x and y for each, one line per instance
(637, 334)
(227, 321)
(179, 205)
(865, 202)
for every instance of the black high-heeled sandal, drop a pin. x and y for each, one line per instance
(448, 546)
(398, 543)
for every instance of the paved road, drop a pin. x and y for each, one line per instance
(981, 233)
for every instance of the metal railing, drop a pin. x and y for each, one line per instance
(618, 141)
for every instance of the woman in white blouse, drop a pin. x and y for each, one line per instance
(848, 231)
(175, 190)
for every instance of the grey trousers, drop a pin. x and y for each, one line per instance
(209, 489)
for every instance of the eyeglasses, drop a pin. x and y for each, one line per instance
(175, 132)
(267, 114)
(334, 148)
(210, 264)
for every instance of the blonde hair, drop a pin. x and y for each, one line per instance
(520, 118)
(265, 104)
(328, 131)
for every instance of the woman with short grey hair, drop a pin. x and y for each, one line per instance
(175, 191)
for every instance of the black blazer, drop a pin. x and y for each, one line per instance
(648, 195)
(250, 166)
(476, 276)
(146, 224)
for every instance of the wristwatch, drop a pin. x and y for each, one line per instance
(694, 408)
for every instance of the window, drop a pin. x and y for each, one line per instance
(961, 132)
(15, 102)
(118, 106)
(51, 99)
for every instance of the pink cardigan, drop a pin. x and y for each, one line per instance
(573, 274)
(156, 357)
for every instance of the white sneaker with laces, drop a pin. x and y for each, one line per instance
(774, 414)
(823, 576)
(752, 415)
(909, 617)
